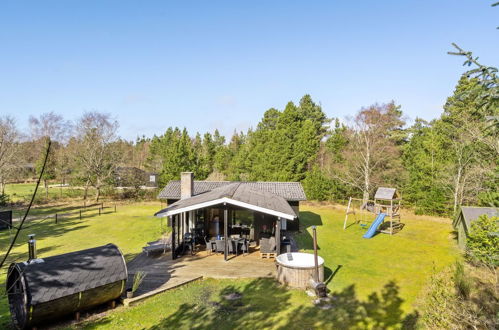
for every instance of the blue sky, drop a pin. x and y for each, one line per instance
(216, 64)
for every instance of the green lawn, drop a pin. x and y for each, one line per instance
(407, 258)
(129, 228)
(24, 191)
(376, 285)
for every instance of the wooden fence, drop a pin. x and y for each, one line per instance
(100, 208)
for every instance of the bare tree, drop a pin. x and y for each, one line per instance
(50, 125)
(8, 145)
(371, 150)
(471, 141)
(95, 155)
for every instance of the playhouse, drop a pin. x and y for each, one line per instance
(386, 208)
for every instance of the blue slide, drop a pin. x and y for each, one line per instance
(374, 226)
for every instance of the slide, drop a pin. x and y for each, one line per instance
(374, 226)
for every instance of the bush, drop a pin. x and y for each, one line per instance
(437, 302)
(482, 245)
(460, 298)
(4, 200)
(462, 281)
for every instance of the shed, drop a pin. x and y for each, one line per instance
(44, 289)
(468, 214)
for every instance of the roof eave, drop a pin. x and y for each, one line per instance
(167, 213)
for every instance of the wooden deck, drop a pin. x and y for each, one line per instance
(164, 274)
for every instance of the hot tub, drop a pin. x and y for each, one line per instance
(297, 269)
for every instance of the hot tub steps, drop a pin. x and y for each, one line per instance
(267, 255)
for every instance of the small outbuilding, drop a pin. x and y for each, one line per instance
(468, 214)
(40, 290)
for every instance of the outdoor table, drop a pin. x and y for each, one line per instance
(237, 242)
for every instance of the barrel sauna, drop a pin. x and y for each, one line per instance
(41, 290)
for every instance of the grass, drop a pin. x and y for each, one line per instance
(23, 192)
(129, 228)
(375, 284)
(264, 305)
(408, 257)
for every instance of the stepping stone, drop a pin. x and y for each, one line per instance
(311, 293)
(233, 296)
(326, 306)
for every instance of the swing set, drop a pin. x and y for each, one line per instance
(386, 201)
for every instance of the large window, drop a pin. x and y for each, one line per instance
(242, 217)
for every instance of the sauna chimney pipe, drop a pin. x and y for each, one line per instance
(318, 286)
(31, 247)
(316, 259)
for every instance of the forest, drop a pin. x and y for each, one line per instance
(437, 165)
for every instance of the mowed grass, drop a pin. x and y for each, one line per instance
(375, 287)
(264, 304)
(129, 228)
(24, 191)
(408, 258)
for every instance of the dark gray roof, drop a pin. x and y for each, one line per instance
(386, 193)
(237, 192)
(470, 214)
(65, 274)
(290, 191)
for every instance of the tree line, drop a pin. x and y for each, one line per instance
(437, 165)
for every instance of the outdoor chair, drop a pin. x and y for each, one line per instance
(268, 245)
(160, 246)
(210, 245)
(188, 242)
(244, 246)
(220, 246)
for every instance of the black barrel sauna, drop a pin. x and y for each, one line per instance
(40, 290)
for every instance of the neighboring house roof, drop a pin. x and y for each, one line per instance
(290, 191)
(470, 214)
(129, 169)
(386, 193)
(65, 274)
(236, 194)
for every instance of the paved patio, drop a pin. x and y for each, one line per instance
(164, 274)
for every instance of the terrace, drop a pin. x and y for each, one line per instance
(164, 273)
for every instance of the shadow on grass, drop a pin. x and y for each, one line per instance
(266, 304)
(304, 238)
(329, 274)
(43, 229)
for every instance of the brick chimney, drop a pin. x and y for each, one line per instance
(186, 184)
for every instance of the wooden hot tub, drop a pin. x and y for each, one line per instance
(295, 269)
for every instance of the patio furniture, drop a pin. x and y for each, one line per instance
(286, 245)
(210, 245)
(268, 247)
(220, 246)
(243, 245)
(188, 242)
(245, 232)
(235, 231)
(199, 235)
(160, 246)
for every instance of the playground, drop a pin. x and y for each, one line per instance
(381, 215)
